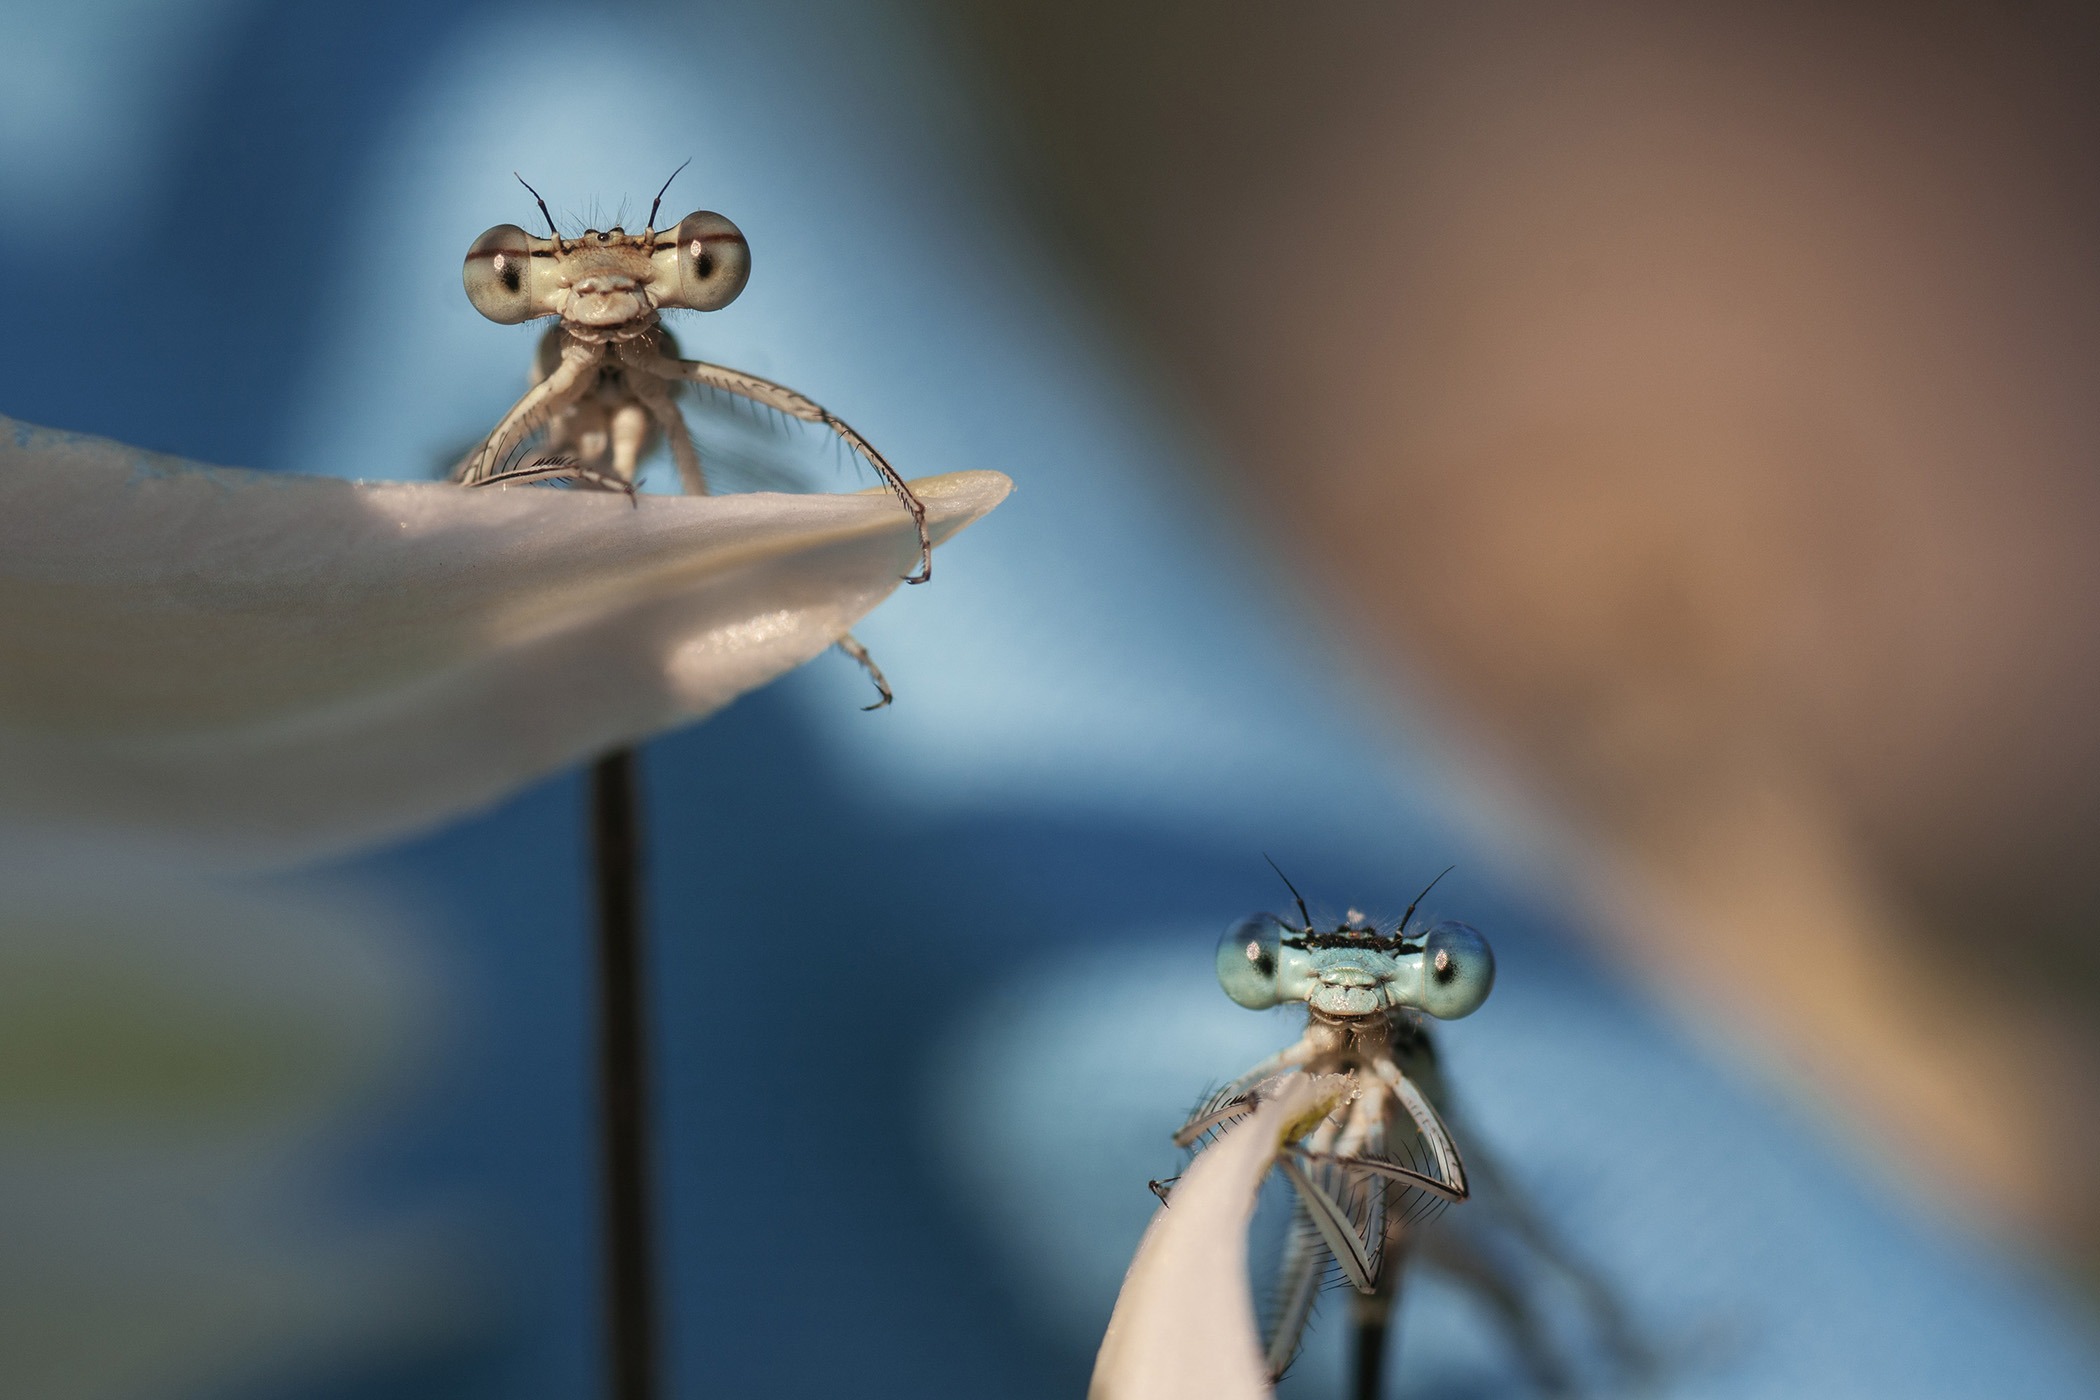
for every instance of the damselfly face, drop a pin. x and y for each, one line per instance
(1355, 969)
(607, 285)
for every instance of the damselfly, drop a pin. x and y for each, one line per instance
(1371, 1180)
(606, 378)
(1383, 1159)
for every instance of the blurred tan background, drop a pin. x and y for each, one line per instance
(1700, 402)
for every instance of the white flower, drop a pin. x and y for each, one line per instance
(258, 669)
(1184, 1323)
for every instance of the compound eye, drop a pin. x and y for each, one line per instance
(1458, 971)
(714, 263)
(499, 275)
(1247, 961)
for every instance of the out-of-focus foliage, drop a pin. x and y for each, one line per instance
(180, 1069)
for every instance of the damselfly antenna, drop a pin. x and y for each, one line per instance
(659, 200)
(1304, 917)
(1420, 897)
(551, 229)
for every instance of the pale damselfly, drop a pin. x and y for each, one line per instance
(1370, 1180)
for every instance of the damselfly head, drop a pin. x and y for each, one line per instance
(604, 281)
(1355, 970)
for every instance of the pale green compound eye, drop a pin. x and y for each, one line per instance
(1247, 961)
(1458, 971)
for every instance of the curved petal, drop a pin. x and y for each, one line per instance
(262, 669)
(1184, 1323)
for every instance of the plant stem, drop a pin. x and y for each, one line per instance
(630, 1276)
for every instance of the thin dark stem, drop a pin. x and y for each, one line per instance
(1374, 1317)
(623, 1086)
(1371, 1356)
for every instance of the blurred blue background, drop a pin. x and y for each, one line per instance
(933, 984)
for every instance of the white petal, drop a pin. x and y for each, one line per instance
(1184, 1323)
(260, 668)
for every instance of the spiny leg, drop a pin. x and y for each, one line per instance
(1367, 1125)
(786, 400)
(1332, 1195)
(567, 383)
(656, 397)
(1450, 1167)
(1372, 1317)
(1323, 1136)
(1367, 1118)
(630, 434)
(850, 645)
(557, 469)
(1296, 1055)
(577, 449)
(696, 483)
(1227, 1102)
(585, 428)
(561, 439)
(1331, 1218)
(1297, 1289)
(1390, 1171)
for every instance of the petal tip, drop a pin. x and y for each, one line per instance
(956, 499)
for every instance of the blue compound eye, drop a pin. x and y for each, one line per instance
(1458, 971)
(1247, 961)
